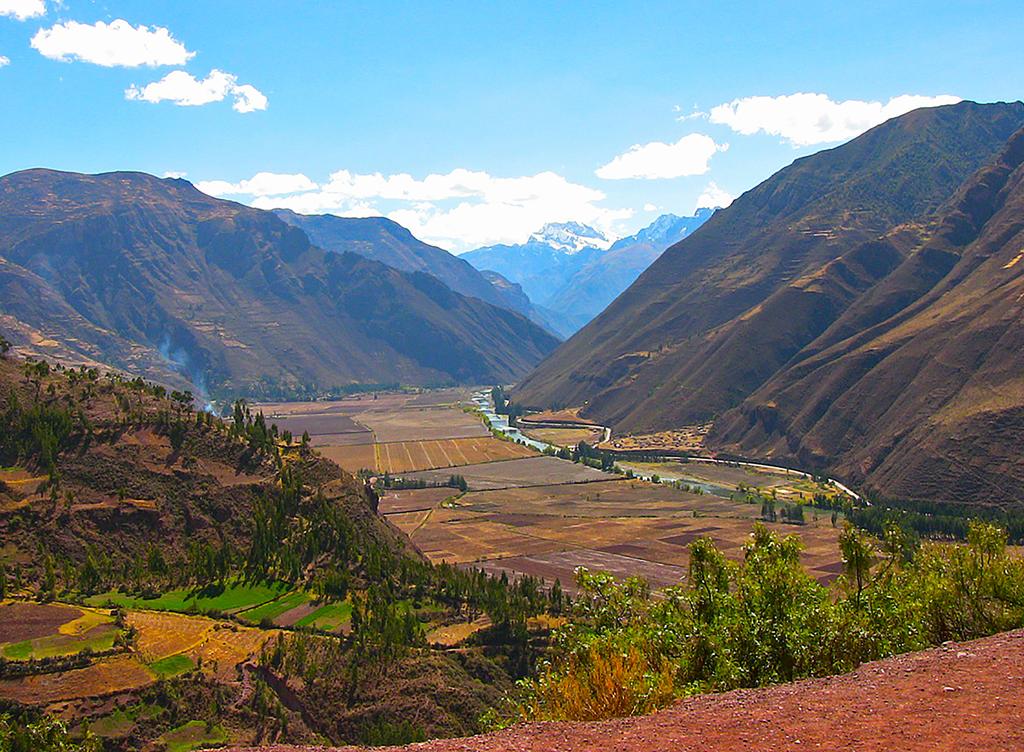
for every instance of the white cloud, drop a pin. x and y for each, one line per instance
(260, 184)
(461, 209)
(689, 155)
(174, 174)
(187, 91)
(713, 197)
(115, 44)
(4, 61)
(650, 207)
(248, 99)
(804, 119)
(22, 9)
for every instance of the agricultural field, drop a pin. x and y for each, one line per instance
(119, 673)
(563, 436)
(36, 631)
(166, 644)
(396, 433)
(351, 457)
(531, 471)
(232, 598)
(569, 415)
(414, 423)
(413, 500)
(627, 527)
(193, 735)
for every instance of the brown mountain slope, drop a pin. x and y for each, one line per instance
(723, 310)
(133, 469)
(917, 391)
(153, 276)
(958, 698)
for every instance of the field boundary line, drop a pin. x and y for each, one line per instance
(457, 448)
(408, 454)
(440, 446)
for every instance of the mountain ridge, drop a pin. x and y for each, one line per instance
(723, 311)
(136, 265)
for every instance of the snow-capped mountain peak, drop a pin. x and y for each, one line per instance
(570, 237)
(666, 229)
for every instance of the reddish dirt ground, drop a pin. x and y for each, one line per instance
(967, 696)
(27, 621)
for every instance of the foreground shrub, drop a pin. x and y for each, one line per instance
(46, 734)
(765, 620)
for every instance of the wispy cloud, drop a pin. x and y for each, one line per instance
(690, 155)
(804, 119)
(461, 209)
(22, 9)
(185, 90)
(117, 44)
(713, 197)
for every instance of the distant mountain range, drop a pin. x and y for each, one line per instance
(155, 277)
(858, 312)
(571, 272)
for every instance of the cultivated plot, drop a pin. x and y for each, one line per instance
(406, 456)
(532, 471)
(36, 631)
(106, 676)
(562, 565)
(627, 527)
(419, 423)
(352, 458)
(413, 500)
(563, 436)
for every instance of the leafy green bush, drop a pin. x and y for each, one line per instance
(765, 620)
(46, 734)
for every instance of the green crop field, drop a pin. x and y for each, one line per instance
(233, 597)
(193, 735)
(172, 665)
(328, 617)
(275, 608)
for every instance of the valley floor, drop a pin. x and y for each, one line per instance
(965, 696)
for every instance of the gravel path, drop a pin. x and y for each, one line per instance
(967, 696)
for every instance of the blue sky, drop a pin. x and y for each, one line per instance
(474, 123)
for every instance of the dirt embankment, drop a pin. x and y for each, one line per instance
(967, 696)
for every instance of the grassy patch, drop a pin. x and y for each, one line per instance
(233, 597)
(193, 735)
(18, 651)
(121, 722)
(275, 608)
(172, 665)
(328, 617)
